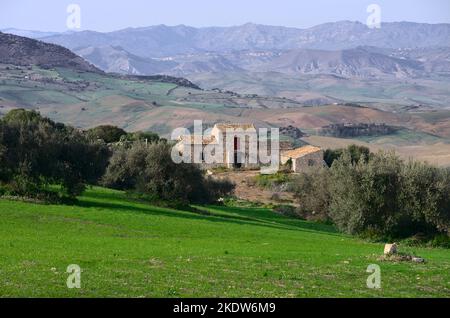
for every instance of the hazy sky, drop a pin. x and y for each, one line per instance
(104, 15)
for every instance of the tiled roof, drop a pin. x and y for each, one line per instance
(198, 139)
(225, 126)
(300, 152)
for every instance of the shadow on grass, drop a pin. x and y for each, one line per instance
(235, 215)
(268, 216)
(94, 193)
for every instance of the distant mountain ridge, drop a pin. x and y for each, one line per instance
(116, 59)
(344, 48)
(66, 88)
(18, 50)
(357, 62)
(21, 51)
(162, 40)
(413, 77)
(29, 33)
(360, 62)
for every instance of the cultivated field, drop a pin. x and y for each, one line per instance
(436, 153)
(86, 100)
(130, 249)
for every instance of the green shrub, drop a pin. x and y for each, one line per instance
(125, 167)
(440, 240)
(107, 133)
(425, 196)
(148, 137)
(364, 195)
(356, 153)
(149, 169)
(36, 152)
(382, 197)
(437, 240)
(271, 181)
(218, 188)
(311, 188)
(287, 210)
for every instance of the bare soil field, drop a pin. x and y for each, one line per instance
(246, 188)
(437, 154)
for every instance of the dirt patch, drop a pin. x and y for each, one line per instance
(247, 189)
(437, 154)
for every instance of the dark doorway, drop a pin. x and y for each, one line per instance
(236, 163)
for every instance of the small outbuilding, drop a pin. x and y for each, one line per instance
(303, 157)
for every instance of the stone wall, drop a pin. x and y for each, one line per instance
(314, 159)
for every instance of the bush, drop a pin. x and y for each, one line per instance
(287, 210)
(355, 152)
(218, 188)
(364, 195)
(149, 169)
(112, 134)
(390, 197)
(167, 180)
(272, 181)
(437, 240)
(425, 195)
(36, 152)
(312, 191)
(107, 133)
(148, 137)
(381, 197)
(125, 167)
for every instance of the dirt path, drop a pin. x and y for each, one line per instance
(246, 188)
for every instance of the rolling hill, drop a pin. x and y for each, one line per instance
(387, 93)
(132, 249)
(379, 77)
(117, 60)
(360, 62)
(357, 62)
(19, 50)
(343, 48)
(401, 63)
(70, 90)
(397, 47)
(162, 40)
(29, 33)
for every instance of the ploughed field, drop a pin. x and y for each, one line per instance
(86, 100)
(131, 249)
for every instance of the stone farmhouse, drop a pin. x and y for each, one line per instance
(236, 141)
(235, 145)
(303, 157)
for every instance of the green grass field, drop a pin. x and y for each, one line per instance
(130, 249)
(404, 137)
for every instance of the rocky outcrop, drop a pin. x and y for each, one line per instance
(18, 50)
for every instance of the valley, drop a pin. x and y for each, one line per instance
(305, 88)
(174, 152)
(401, 65)
(85, 99)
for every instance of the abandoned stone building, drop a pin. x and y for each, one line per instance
(303, 157)
(237, 142)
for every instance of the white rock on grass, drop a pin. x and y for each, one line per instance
(417, 260)
(390, 249)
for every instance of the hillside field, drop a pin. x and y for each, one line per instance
(131, 249)
(86, 99)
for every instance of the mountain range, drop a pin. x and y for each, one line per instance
(342, 48)
(63, 86)
(162, 40)
(357, 62)
(18, 50)
(401, 63)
